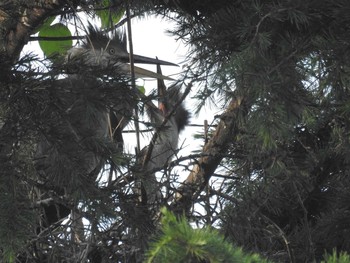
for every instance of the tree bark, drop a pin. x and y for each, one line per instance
(18, 20)
(213, 153)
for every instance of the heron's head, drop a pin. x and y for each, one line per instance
(99, 50)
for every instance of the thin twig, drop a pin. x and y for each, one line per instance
(40, 38)
(284, 237)
(150, 130)
(132, 69)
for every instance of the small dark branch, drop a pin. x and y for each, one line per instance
(205, 132)
(141, 131)
(123, 21)
(48, 230)
(56, 38)
(194, 158)
(201, 125)
(176, 162)
(229, 177)
(283, 236)
(207, 205)
(132, 69)
(150, 130)
(307, 226)
(224, 196)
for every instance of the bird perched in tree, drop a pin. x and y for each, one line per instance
(174, 117)
(86, 112)
(98, 50)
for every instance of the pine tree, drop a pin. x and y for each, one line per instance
(287, 170)
(278, 70)
(178, 242)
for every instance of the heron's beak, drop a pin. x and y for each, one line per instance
(147, 60)
(142, 73)
(124, 57)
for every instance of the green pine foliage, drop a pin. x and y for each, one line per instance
(286, 189)
(17, 222)
(289, 162)
(179, 242)
(336, 258)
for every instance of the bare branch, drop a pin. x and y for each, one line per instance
(212, 155)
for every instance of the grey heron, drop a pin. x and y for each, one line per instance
(166, 144)
(87, 113)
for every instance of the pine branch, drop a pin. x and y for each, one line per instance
(179, 242)
(212, 156)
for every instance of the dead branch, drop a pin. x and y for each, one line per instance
(212, 155)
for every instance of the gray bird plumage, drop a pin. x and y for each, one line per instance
(88, 114)
(166, 144)
(99, 50)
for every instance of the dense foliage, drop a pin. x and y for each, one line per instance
(178, 242)
(288, 161)
(278, 70)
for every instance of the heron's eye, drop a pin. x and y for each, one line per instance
(111, 51)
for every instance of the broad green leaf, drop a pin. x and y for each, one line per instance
(54, 47)
(46, 23)
(141, 89)
(109, 16)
